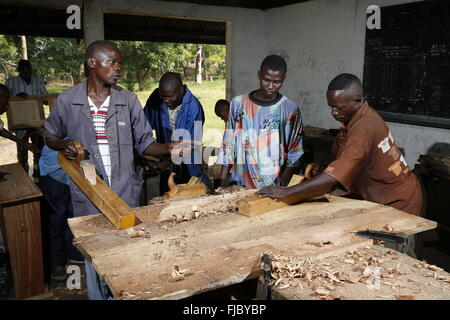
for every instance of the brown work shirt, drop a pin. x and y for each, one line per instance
(369, 163)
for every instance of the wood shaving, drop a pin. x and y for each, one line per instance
(319, 243)
(370, 266)
(178, 275)
(134, 233)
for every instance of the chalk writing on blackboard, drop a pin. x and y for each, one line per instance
(407, 64)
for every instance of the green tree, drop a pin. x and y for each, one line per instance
(60, 57)
(52, 57)
(141, 59)
(214, 60)
(8, 57)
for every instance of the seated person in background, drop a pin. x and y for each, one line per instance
(4, 98)
(177, 111)
(368, 162)
(222, 109)
(263, 140)
(23, 85)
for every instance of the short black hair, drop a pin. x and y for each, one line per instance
(170, 80)
(221, 102)
(3, 88)
(23, 63)
(275, 63)
(94, 46)
(344, 81)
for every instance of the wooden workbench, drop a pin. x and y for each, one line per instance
(20, 222)
(371, 273)
(220, 247)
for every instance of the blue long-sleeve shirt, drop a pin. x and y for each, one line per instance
(190, 118)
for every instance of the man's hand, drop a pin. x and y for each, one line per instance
(172, 145)
(274, 192)
(23, 95)
(282, 181)
(182, 148)
(70, 151)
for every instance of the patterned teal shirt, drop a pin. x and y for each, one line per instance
(260, 139)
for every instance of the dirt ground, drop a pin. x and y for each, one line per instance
(8, 153)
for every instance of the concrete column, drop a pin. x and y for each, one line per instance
(93, 26)
(228, 62)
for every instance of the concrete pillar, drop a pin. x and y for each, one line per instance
(93, 26)
(228, 62)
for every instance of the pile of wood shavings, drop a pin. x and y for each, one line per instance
(197, 212)
(431, 271)
(325, 276)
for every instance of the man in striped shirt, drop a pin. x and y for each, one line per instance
(110, 123)
(23, 85)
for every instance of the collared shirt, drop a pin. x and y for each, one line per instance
(369, 163)
(260, 138)
(128, 133)
(17, 85)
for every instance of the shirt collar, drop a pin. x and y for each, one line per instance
(104, 104)
(80, 94)
(358, 115)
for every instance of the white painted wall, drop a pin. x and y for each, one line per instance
(321, 39)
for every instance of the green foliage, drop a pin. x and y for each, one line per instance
(143, 63)
(8, 58)
(214, 59)
(52, 58)
(141, 60)
(58, 57)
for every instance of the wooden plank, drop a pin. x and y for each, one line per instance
(409, 281)
(23, 225)
(224, 249)
(110, 204)
(17, 185)
(255, 205)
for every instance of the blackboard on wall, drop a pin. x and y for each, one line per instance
(407, 64)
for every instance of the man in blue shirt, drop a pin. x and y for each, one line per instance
(176, 114)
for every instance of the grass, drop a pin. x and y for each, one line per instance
(207, 93)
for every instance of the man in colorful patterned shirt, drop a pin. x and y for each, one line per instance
(263, 140)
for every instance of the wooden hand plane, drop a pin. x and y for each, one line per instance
(193, 188)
